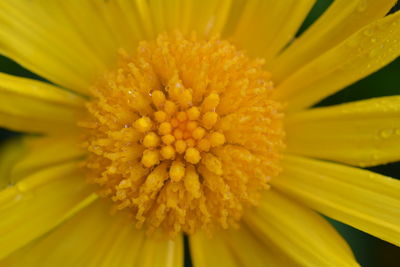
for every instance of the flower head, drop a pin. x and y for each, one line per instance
(193, 118)
(184, 144)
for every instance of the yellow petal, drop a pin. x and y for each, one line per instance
(33, 106)
(106, 26)
(252, 251)
(360, 198)
(363, 133)
(206, 17)
(95, 238)
(342, 19)
(72, 43)
(83, 238)
(263, 27)
(206, 251)
(159, 252)
(364, 52)
(38, 203)
(25, 155)
(76, 41)
(10, 152)
(302, 234)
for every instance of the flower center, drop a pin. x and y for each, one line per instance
(185, 133)
(179, 132)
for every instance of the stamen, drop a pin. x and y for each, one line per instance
(185, 134)
(198, 133)
(165, 128)
(151, 140)
(150, 158)
(177, 171)
(192, 155)
(143, 124)
(193, 113)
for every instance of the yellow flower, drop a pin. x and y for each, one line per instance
(192, 117)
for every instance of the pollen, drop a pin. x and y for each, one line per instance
(151, 140)
(143, 124)
(150, 158)
(192, 155)
(185, 134)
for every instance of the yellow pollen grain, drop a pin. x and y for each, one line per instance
(143, 124)
(217, 139)
(191, 125)
(185, 98)
(168, 139)
(178, 134)
(192, 155)
(180, 146)
(192, 183)
(167, 152)
(181, 116)
(177, 171)
(210, 102)
(169, 107)
(209, 119)
(204, 144)
(160, 116)
(174, 122)
(165, 128)
(151, 140)
(193, 113)
(198, 133)
(158, 98)
(150, 158)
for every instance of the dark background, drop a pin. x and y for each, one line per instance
(370, 251)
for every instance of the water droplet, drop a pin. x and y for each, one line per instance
(21, 187)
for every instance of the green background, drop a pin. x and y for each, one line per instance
(370, 251)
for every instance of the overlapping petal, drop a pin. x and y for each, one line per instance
(342, 19)
(94, 237)
(360, 198)
(24, 155)
(363, 133)
(74, 42)
(33, 106)
(203, 251)
(206, 18)
(10, 151)
(263, 28)
(366, 51)
(306, 237)
(50, 46)
(38, 203)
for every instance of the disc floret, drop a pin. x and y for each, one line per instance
(185, 134)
